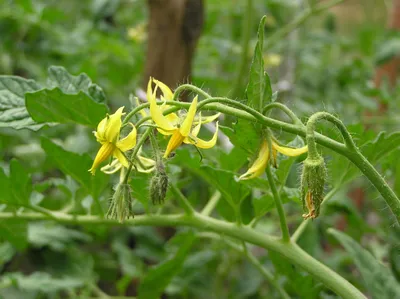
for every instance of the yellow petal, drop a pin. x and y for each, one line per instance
(288, 151)
(111, 168)
(104, 152)
(113, 126)
(196, 129)
(156, 113)
(129, 141)
(101, 130)
(175, 141)
(168, 95)
(207, 119)
(188, 122)
(259, 165)
(200, 143)
(146, 165)
(121, 157)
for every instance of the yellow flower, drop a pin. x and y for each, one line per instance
(181, 129)
(107, 134)
(261, 162)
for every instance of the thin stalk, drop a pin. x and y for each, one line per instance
(211, 204)
(279, 205)
(183, 201)
(290, 251)
(244, 58)
(285, 109)
(135, 151)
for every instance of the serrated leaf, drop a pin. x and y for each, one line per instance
(245, 135)
(259, 91)
(378, 279)
(13, 113)
(52, 105)
(158, 278)
(76, 166)
(69, 84)
(55, 236)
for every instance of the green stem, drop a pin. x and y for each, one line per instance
(244, 58)
(291, 251)
(135, 151)
(264, 271)
(311, 123)
(190, 87)
(285, 109)
(244, 112)
(211, 204)
(184, 202)
(279, 205)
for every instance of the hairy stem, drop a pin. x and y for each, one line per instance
(291, 251)
(279, 205)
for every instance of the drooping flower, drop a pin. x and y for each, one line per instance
(107, 134)
(260, 163)
(182, 129)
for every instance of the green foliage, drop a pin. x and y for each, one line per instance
(56, 240)
(259, 91)
(378, 279)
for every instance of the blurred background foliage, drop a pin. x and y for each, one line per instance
(328, 63)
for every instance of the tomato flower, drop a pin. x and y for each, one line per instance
(107, 134)
(260, 163)
(182, 129)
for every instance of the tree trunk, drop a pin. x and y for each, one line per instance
(173, 32)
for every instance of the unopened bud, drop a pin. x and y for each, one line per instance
(313, 180)
(159, 184)
(121, 203)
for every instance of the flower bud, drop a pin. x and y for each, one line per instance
(121, 203)
(159, 184)
(313, 180)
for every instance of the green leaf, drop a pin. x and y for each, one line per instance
(12, 103)
(20, 182)
(378, 279)
(69, 84)
(55, 236)
(44, 282)
(158, 278)
(245, 135)
(76, 166)
(15, 232)
(52, 105)
(259, 91)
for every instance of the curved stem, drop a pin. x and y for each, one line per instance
(285, 109)
(244, 58)
(190, 87)
(279, 205)
(291, 251)
(311, 123)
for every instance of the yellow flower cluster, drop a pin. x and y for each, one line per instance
(182, 128)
